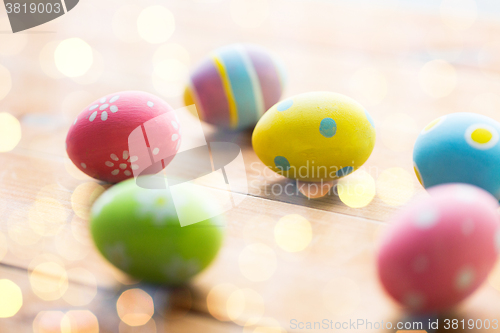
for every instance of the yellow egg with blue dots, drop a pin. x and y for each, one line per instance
(315, 136)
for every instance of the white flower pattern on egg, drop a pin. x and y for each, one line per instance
(155, 203)
(102, 107)
(116, 165)
(180, 269)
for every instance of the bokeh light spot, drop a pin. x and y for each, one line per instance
(84, 196)
(73, 57)
(49, 280)
(135, 307)
(217, 300)
(11, 298)
(125, 23)
(245, 307)
(357, 190)
(293, 233)
(79, 321)
(156, 24)
(10, 128)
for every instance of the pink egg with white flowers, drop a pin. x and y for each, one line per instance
(98, 140)
(440, 248)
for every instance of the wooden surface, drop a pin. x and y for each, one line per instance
(377, 55)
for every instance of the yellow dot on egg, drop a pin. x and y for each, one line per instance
(432, 124)
(481, 136)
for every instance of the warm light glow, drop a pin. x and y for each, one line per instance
(48, 322)
(84, 196)
(11, 298)
(245, 307)
(341, 296)
(76, 321)
(395, 186)
(73, 57)
(170, 77)
(438, 78)
(250, 14)
(49, 280)
(217, 300)
(172, 51)
(399, 132)
(135, 307)
(125, 23)
(356, 190)
(293, 233)
(156, 24)
(257, 262)
(458, 15)
(10, 128)
(370, 83)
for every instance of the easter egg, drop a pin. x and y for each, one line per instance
(459, 147)
(440, 248)
(235, 85)
(316, 136)
(138, 231)
(98, 140)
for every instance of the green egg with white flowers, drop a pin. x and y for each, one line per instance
(139, 231)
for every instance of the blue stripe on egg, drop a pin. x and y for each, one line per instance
(241, 85)
(285, 105)
(282, 163)
(328, 127)
(345, 171)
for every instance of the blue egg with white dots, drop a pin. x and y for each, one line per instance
(459, 148)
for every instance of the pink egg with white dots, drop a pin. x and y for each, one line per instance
(440, 248)
(98, 140)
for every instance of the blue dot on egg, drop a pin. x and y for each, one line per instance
(345, 171)
(370, 119)
(285, 105)
(282, 163)
(328, 127)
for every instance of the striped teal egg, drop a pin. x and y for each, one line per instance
(235, 85)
